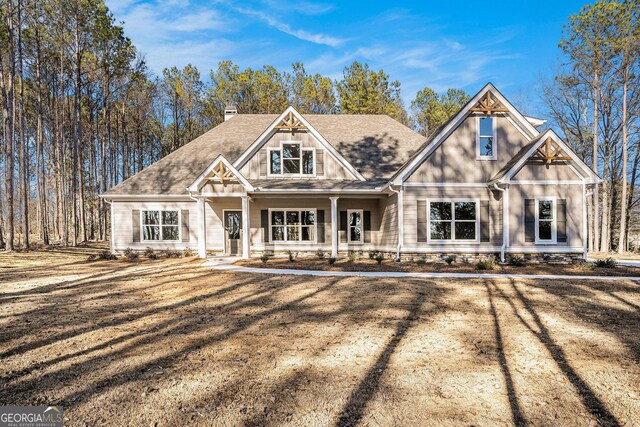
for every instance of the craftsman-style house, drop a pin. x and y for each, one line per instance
(489, 181)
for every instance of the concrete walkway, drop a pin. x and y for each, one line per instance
(227, 265)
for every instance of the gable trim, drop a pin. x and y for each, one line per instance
(202, 178)
(253, 148)
(420, 156)
(590, 178)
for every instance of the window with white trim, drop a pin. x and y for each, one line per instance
(546, 227)
(453, 220)
(355, 232)
(161, 226)
(486, 138)
(293, 225)
(291, 159)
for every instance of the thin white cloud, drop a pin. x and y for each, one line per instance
(317, 38)
(301, 7)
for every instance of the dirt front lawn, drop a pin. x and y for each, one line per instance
(169, 343)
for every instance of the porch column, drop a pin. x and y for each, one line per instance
(202, 229)
(245, 227)
(334, 226)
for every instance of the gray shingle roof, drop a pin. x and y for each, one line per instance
(316, 184)
(376, 145)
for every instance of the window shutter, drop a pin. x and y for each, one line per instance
(320, 162)
(422, 221)
(185, 225)
(135, 225)
(485, 224)
(343, 226)
(320, 225)
(263, 162)
(366, 221)
(561, 222)
(264, 223)
(529, 220)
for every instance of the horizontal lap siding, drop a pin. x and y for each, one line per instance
(388, 236)
(413, 194)
(372, 205)
(572, 193)
(259, 204)
(215, 208)
(123, 226)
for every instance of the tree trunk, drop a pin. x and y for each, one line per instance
(24, 149)
(8, 115)
(594, 163)
(622, 247)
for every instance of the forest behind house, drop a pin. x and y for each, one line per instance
(81, 112)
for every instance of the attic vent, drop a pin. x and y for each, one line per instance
(230, 111)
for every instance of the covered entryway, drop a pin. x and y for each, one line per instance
(232, 233)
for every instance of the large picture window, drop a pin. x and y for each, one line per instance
(160, 225)
(453, 220)
(546, 229)
(486, 138)
(291, 159)
(293, 225)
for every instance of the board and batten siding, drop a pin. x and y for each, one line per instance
(455, 159)
(326, 166)
(414, 194)
(554, 171)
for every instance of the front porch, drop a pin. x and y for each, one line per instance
(249, 224)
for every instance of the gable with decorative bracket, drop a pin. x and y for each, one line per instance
(548, 153)
(290, 122)
(489, 104)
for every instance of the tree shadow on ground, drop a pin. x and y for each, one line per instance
(353, 411)
(592, 403)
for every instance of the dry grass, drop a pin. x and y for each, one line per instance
(389, 265)
(168, 342)
(627, 255)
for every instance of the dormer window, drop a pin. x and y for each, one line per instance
(486, 138)
(291, 159)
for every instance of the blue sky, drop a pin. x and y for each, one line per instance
(437, 44)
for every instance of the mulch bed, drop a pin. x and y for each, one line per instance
(389, 265)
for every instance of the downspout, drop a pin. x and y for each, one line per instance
(111, 245)
(400, 220)
(504, 221)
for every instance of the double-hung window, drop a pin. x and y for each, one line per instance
(160, 225)
(546, 227)
(486, 138)
(291, 159)
(355, 232)
(453, 220)
(293, 225)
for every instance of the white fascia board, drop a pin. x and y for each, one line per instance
(459, 118)
(253, 148)
(592, 177)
